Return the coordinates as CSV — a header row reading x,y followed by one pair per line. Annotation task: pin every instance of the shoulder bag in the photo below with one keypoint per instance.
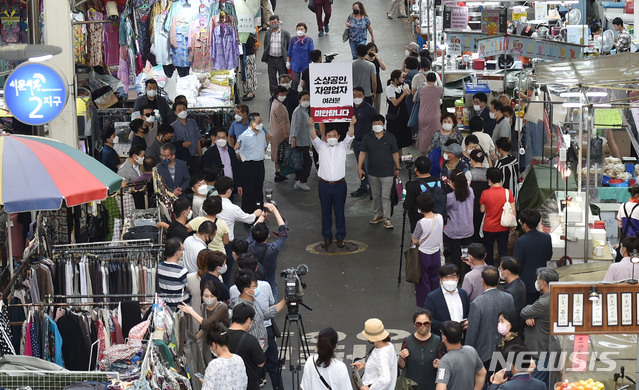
x,y
356,379
508,219
311,5
413,266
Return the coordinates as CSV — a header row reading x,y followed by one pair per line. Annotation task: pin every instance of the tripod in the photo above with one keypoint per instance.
x,y
409,166
293,319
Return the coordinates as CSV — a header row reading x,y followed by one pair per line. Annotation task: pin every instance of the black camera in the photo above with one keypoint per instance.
x,y
329,57
294,287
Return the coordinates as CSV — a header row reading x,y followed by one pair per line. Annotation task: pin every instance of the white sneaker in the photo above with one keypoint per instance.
x,y
296,186
303,186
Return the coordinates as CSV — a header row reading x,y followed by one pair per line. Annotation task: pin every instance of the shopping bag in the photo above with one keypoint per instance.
x,y
508,219
345,35
404,383
413,120
294,159
311,5
413,268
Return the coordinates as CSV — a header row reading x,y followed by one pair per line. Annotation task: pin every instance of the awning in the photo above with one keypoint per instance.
x,y
597,70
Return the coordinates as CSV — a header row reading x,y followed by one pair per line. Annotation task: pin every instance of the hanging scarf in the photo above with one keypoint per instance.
x,y
300,40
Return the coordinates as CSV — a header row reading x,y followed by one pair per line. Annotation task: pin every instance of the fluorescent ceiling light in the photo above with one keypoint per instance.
x,y
572,105
41,58
563,2
570,94
597,94
566,80
602,105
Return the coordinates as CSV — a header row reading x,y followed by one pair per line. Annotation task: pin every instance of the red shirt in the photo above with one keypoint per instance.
x,y
494,199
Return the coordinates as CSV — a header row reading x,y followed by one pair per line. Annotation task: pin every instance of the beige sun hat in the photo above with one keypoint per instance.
x,y
374,330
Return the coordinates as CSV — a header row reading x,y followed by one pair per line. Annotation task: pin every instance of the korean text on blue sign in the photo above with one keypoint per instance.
x,y
35,93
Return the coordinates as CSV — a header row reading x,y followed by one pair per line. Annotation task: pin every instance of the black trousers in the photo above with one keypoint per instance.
x,y
276,68
252,185
303,174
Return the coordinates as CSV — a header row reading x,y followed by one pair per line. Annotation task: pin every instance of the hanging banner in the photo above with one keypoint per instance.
x,y
245,23
331,92
543,48
455,17
465,41
493,46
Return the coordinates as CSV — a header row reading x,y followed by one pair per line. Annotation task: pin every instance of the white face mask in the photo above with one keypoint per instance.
x,y
447,126
286,85
305,104
407,52
189,215
491,115
476,107
203,189
537,286
238,118
378,128
449,285
150,119
223,269
220,142
445,156
259,127
139,160
182,114
358,101
213,352
332,141
501,274
300,33
151,93
209,302
281,98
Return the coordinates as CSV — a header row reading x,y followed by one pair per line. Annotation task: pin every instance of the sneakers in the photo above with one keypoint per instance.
x,y
402,17
326,28
360,192
376,219
320,34
301,186
279,177
262,382
388,15
388,224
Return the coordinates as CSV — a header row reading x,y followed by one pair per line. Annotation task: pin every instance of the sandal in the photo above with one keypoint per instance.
x,y
248,97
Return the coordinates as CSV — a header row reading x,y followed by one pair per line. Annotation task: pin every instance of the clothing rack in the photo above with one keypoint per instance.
x,y
40,379
113,296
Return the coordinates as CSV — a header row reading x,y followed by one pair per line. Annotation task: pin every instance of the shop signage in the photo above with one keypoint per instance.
x,y
245,23
455,17
331,92
493,46
543,48
466,41
35,93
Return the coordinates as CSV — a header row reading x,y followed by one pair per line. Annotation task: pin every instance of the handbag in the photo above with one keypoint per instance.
x,y
356,379
345,35
311,5
508,219
413,120
294,159
413,266
404,383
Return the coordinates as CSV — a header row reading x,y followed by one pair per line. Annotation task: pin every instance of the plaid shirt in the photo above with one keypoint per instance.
x,y
623,41
275,49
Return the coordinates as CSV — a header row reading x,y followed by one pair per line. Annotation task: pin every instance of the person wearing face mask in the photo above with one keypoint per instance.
x,y
216,266
381,366
448,131
397,116
188,133
364,75
183,213
251,146
222,155
508,327
130,168
139,131
280,128
300,139
509,273
381,149
109,157
212,206
419,351
291,99
200,189
332,185
165,135
240,124
171,276
429,114
373,56
364,113
537,320
447,302
451,152
502,124
227,371
246,345
486,144
246,283
458,232
276,42
480,101
476,261
173,171
195,243
153,99
299,52
150,124
358,25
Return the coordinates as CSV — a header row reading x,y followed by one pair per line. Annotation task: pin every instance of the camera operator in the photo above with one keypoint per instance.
x,y
246,283
266,252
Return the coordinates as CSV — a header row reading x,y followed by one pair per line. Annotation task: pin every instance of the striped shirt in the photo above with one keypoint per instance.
x,y
171,279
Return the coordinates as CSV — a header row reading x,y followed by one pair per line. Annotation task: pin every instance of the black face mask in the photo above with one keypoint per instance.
x,y
355,12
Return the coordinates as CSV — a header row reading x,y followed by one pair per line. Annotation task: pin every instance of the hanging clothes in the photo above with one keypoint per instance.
x,y
79,38
178,24
95,55
160,41
142,11
200,45
6,346
111,39
128,49
224,37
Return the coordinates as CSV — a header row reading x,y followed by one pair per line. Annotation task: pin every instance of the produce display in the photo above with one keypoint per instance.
x,y
589,384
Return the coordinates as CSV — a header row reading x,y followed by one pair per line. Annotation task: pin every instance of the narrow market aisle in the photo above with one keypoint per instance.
x,y
344,290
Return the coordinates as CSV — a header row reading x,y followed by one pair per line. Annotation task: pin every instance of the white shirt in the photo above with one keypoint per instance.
x,y
454,303
232,213
432,243
381,369
196,206
486,143
264,300
336,375
332,158
192,246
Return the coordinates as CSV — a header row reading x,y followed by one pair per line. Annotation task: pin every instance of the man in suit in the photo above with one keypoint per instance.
x,y
520,378
481,109
537,319
130,168
276,41
509,272
533,250
447,302
174,172
483,316
222,155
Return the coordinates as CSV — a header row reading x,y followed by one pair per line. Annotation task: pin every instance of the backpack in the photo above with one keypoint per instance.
x,y
436,190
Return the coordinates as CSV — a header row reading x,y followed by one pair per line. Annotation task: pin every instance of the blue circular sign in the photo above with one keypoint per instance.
x,y
35,93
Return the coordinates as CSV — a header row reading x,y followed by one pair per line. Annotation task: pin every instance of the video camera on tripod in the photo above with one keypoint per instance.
x,y
294,287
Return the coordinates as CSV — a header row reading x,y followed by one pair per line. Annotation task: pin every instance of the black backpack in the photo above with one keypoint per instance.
x,y
436,190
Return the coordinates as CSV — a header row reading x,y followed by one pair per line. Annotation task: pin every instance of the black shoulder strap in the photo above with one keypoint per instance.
x,y
320,375
365,356
629,218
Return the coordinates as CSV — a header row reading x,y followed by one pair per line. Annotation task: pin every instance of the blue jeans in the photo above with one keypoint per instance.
x,y
354,47
357,147
332,197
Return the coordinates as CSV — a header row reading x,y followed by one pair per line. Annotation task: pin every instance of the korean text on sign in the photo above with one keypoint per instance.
x,y
331,92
